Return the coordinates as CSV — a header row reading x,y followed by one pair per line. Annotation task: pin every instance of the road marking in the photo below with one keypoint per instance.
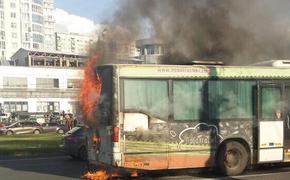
x,y
32,158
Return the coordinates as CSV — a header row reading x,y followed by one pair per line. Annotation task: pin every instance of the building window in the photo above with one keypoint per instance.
x,y
15,107
26,45
37,19
2,45
150,49
1,14
25,16
13,25
14,82
25,6
37,38
27,36
12,5
35,46
2,4
47,106
37,28
40,2
37,9
2,35
73,83
47,83
13,15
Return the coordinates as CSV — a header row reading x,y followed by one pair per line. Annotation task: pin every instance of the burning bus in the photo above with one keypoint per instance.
x,y
183,116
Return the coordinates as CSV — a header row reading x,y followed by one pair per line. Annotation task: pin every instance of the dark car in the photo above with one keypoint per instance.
x,y
74,143
54,127
25,127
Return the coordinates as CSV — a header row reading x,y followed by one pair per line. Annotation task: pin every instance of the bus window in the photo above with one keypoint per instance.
x,y
188,99
147,96
271,101
230,99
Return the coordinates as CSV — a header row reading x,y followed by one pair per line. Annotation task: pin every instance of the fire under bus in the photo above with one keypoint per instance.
x,y
154,117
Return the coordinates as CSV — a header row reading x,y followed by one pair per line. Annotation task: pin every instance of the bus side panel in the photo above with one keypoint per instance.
x,y
145,142
189,145
146,161
195,144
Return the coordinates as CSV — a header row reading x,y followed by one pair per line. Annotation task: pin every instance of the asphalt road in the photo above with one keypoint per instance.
x,y
63,168
44,168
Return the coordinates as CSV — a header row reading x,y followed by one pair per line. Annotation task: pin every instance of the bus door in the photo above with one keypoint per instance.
x,y
287,124
270,124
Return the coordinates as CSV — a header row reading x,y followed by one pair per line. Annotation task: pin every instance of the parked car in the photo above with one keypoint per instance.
x,y
54,127
25,127
74,143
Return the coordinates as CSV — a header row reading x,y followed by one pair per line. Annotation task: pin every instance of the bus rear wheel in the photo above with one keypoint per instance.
x,y
232,158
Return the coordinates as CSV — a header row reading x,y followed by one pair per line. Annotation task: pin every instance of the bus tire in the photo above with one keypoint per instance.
x,y
232,158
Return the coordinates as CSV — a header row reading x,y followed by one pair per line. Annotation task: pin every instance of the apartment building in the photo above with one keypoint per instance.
x,y
73,42
27,24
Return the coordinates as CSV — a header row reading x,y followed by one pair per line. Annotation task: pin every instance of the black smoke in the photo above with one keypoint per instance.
x,y
235,31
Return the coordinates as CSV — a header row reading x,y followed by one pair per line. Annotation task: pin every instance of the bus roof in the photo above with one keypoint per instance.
x,y
274,63
201,71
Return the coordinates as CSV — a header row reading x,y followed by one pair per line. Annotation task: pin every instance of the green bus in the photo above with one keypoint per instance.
x,y
154,117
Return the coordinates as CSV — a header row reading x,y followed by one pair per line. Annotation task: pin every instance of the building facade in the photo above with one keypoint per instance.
x,y
150,50
39,81
73,42
34,89
49,25
27,24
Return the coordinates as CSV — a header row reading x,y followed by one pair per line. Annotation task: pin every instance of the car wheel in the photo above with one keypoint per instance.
x,y
232,158
82,154
9,133
60,131
36,131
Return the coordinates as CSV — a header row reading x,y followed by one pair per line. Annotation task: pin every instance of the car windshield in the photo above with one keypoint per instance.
x,y
13,124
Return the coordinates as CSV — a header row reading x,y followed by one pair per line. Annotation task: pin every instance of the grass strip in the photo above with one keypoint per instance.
x,y
32,144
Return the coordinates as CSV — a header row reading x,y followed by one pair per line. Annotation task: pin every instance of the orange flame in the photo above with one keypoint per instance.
x,y
98,175
116,175
134,173
104,175
91,88
95,138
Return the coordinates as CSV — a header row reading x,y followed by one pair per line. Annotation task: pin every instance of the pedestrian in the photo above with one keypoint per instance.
x,y
68,121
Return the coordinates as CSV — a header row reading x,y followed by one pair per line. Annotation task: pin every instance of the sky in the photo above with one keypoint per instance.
x,y
82,16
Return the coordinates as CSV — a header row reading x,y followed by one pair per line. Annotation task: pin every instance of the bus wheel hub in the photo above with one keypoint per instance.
x,y
231,158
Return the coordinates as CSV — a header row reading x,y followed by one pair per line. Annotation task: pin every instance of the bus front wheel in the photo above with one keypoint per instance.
x,y
232,158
